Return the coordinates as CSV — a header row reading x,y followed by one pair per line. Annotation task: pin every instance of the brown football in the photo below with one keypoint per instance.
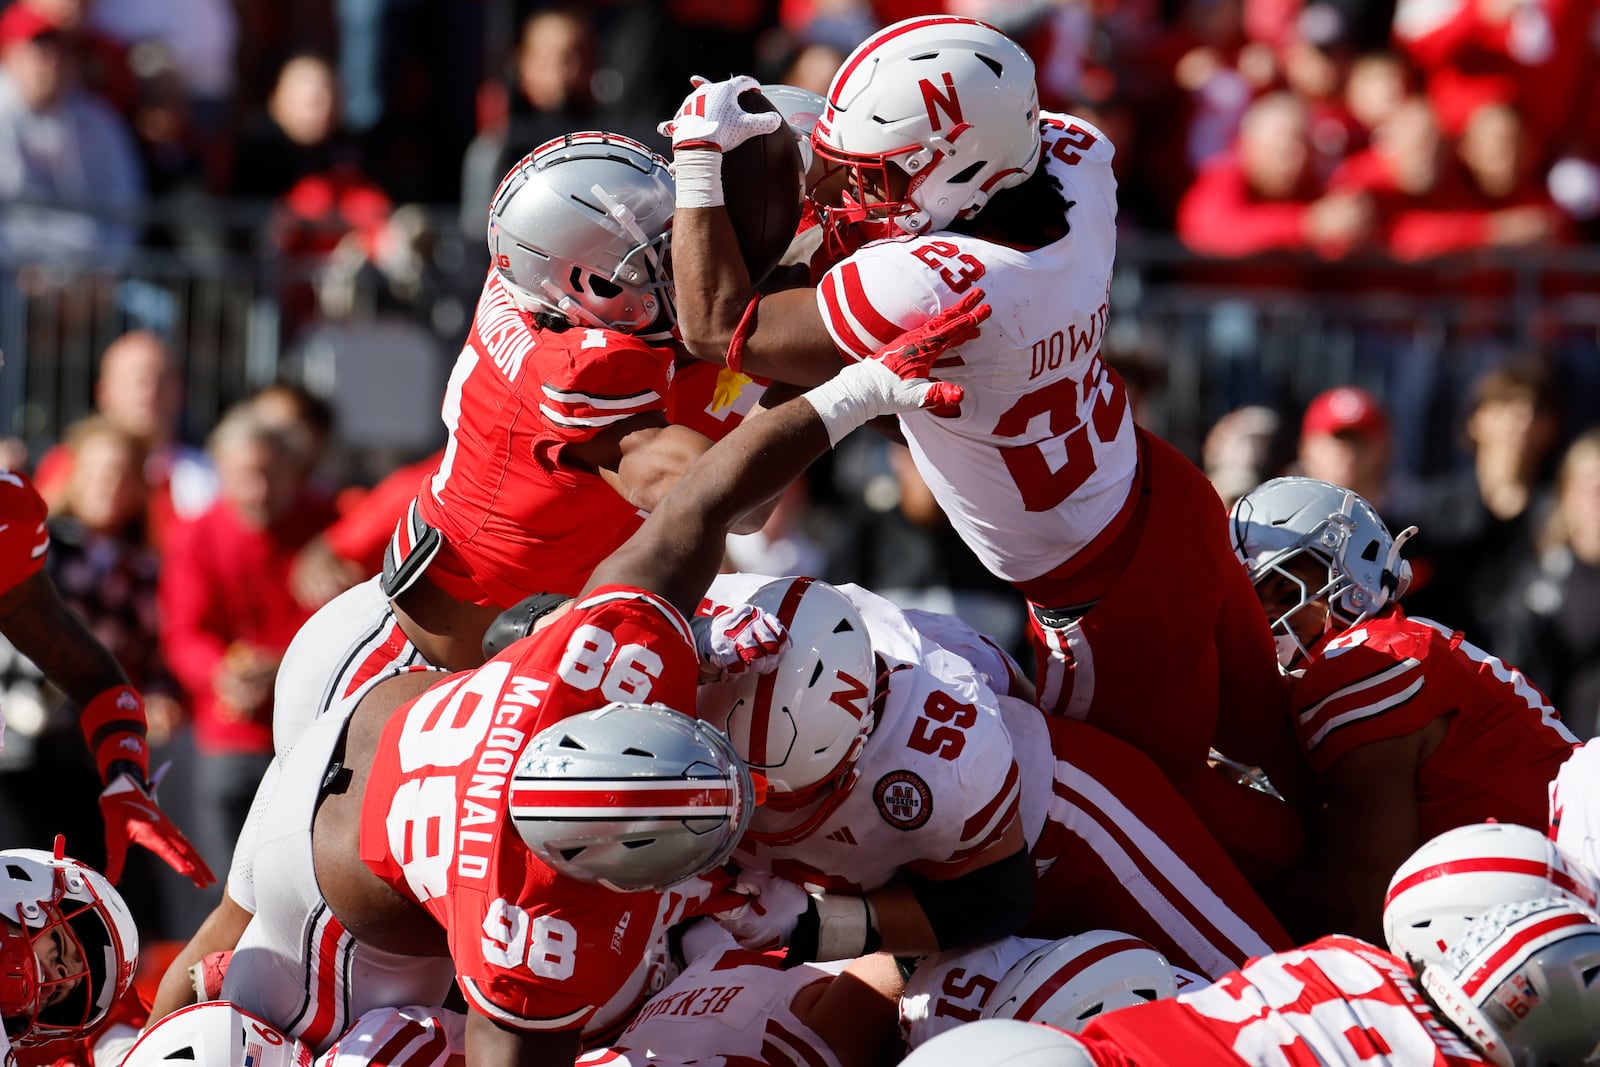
x,y
761,184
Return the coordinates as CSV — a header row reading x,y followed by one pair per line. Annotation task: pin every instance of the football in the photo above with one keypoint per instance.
x,y
763,189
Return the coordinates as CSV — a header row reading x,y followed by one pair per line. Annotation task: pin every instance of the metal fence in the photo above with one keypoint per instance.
x,y
1195,337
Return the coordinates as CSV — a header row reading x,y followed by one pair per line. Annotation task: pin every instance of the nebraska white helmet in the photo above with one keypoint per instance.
x,y
216,1034
1463,873
803,724
1068,982
579,229
633,796
1285,518
1523,984
950,102
67,920
1000,1043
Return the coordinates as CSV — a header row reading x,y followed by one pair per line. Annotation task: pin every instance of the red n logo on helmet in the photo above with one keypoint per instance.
x,y
852,698
936,101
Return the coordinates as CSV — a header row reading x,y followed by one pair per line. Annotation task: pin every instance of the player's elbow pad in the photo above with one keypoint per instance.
x,y
983,905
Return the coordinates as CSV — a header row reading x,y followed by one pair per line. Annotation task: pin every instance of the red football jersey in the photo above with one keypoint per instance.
x,y
1337,1000
712,399
1392,675
517,521
24,541
532,948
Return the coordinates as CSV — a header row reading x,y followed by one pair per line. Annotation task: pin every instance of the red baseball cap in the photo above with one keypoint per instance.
x,y
20,22
1345,409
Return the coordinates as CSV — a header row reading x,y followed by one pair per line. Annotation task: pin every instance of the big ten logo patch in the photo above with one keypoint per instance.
x,y
904,800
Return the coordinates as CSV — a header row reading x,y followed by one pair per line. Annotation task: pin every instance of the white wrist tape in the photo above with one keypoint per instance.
x,y
697,174
842,926
856,395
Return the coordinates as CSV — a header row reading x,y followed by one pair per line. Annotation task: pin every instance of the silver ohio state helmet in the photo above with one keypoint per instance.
x,y
215,1034
950,102
1464,872
800,109
633,796
1523,984
580,228
803,724
1282,519
1000,1043
66,916
1068,982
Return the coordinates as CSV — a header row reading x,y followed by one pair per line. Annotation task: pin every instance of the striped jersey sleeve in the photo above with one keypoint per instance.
x,y
1361,694
599,378
874,296
24,539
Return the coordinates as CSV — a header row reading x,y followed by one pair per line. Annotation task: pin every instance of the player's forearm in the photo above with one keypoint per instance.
x,y
901,923
219,933
679,548
52,635
712,287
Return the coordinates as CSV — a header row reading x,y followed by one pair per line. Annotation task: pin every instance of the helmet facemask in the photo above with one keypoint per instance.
x,y
69,939
1284,521
951,103
1317,581
580,230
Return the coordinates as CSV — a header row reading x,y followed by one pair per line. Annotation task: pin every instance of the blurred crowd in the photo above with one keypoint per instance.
x,y
1332,126
1413,128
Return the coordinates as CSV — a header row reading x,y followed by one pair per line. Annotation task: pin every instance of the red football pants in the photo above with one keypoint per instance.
x,y
1121,850
1177,658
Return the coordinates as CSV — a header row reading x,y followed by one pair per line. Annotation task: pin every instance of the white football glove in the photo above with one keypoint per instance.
x,y
712,118
741,639
768,918
896,379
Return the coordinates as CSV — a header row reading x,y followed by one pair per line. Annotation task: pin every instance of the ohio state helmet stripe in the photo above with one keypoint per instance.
x,y
884,38
1037,1000
613,799
1492,865
1518,946
761,708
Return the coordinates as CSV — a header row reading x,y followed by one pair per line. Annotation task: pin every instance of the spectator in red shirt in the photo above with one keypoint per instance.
x,y
1432,200
140,390
352,548
227,615
1535,55
1265,196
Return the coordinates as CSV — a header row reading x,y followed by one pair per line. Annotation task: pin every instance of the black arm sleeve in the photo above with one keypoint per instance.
x,y
982,905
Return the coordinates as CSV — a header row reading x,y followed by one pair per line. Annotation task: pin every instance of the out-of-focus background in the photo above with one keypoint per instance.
x,y
241,240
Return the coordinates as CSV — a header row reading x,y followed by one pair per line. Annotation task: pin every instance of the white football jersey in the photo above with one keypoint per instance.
x,y
730,1001
1042,454
1575,806
936,783
951,988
